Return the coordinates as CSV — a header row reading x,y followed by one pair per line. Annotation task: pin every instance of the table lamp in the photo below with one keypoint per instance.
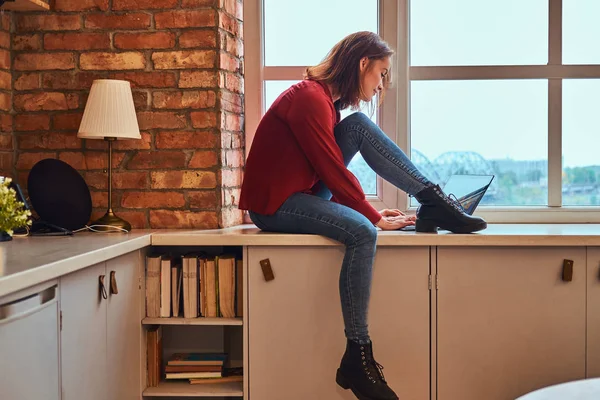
x,y
110,115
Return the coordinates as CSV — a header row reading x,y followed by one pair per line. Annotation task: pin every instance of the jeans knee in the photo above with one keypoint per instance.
x,y
358,118
365,234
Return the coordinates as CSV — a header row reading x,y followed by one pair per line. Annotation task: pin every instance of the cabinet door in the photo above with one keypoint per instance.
x,y
506,321
296,332
29,347
124,326
593,312
83,336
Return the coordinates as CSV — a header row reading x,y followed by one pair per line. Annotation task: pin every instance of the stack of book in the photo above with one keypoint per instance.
x,y
194,286
198,368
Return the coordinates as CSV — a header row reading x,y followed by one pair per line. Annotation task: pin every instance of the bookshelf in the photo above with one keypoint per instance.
x,y
193,321
184,389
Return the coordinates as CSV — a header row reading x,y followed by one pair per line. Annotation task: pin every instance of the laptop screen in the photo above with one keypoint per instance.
x,y
468,189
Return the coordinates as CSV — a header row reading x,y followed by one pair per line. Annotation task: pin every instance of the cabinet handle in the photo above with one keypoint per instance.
x,y
113,283
567,273
102,287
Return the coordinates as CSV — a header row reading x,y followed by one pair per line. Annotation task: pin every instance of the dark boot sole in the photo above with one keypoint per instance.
x,y
341,380
428,226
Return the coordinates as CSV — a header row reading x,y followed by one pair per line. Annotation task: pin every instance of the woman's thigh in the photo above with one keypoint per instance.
x,y
305,213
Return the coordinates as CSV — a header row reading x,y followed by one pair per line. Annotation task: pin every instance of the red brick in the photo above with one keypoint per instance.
x,y
231,216
152,40
69,121
137,219
99,199
32,122
112,61
157,160
5,101
160,219
165,120
197,3
28,160
36,62
231,102
46,101
232,158
149,79
153,200
186,140
121,180
231,44
198,38
190,99
184,59
69,80
76,41
140,100
228,23
197,79
203,159
6,123
91,160
27,42
204,119
233,122
230,196
27,22
231,177
5,80
29,81
80,5
6,18
48,141
185,19
231,82
183,179
145,143
73,101
205,199
126,21
5,40
4,59
6,162
143,4
6,142
228,62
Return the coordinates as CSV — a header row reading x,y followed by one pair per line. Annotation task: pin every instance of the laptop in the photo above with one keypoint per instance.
x,y
468,191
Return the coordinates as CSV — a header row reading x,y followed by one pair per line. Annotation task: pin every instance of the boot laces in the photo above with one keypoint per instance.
x,y
370,364
450,199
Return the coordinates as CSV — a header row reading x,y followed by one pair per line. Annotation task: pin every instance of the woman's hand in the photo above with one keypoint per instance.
x,y
394,219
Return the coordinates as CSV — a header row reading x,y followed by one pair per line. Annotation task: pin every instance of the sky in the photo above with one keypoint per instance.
x,y
497,118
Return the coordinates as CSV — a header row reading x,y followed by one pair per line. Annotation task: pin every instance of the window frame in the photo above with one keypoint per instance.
x,y
394,114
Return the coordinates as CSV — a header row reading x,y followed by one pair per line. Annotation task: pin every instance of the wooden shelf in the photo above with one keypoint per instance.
x,y
192,321
26,5
185,389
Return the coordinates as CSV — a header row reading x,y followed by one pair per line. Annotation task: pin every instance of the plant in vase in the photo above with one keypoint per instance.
x,y
12,212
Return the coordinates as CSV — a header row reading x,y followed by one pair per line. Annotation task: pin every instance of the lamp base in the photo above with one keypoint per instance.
x,y
109,222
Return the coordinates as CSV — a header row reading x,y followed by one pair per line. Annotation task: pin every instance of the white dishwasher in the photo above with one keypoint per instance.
x,y
29,361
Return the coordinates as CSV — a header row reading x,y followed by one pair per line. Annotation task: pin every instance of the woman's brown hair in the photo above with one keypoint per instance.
x,y
340,68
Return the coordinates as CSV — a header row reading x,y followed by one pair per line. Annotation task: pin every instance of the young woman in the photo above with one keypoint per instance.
x,y
297,181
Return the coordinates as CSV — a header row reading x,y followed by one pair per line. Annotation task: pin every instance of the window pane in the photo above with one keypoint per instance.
x,y
475,32
301,33
483,127
365,175
581,32
581,127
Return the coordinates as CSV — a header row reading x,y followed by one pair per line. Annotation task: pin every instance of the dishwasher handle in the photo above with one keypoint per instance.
x,y
28,305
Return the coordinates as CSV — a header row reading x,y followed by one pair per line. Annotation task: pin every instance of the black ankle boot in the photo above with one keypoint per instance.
x,y
439,210
360,373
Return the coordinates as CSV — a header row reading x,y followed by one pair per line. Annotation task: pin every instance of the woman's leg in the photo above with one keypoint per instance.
x,y
304,213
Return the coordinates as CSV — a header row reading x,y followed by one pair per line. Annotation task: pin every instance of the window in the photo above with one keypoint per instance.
x,y
506,87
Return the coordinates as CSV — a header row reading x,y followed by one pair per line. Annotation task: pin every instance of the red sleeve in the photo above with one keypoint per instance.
x,y
310,117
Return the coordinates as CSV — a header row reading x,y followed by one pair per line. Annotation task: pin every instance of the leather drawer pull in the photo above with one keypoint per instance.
x,y
113,283
567,273
267,270
102,287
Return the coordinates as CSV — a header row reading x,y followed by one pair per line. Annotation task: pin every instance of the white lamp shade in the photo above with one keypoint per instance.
x,y
109,112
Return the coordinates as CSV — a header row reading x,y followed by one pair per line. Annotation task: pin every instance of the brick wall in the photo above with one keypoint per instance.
x,y
184,61
6,137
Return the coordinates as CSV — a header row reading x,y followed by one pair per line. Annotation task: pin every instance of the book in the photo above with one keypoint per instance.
x,y
165,287
198,359
192,375
154,354
153,286
226,283
217,380
211,288
190,286
194,368
176,283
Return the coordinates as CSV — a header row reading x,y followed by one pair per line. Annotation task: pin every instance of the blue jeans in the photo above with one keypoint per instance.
x,y
315,214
